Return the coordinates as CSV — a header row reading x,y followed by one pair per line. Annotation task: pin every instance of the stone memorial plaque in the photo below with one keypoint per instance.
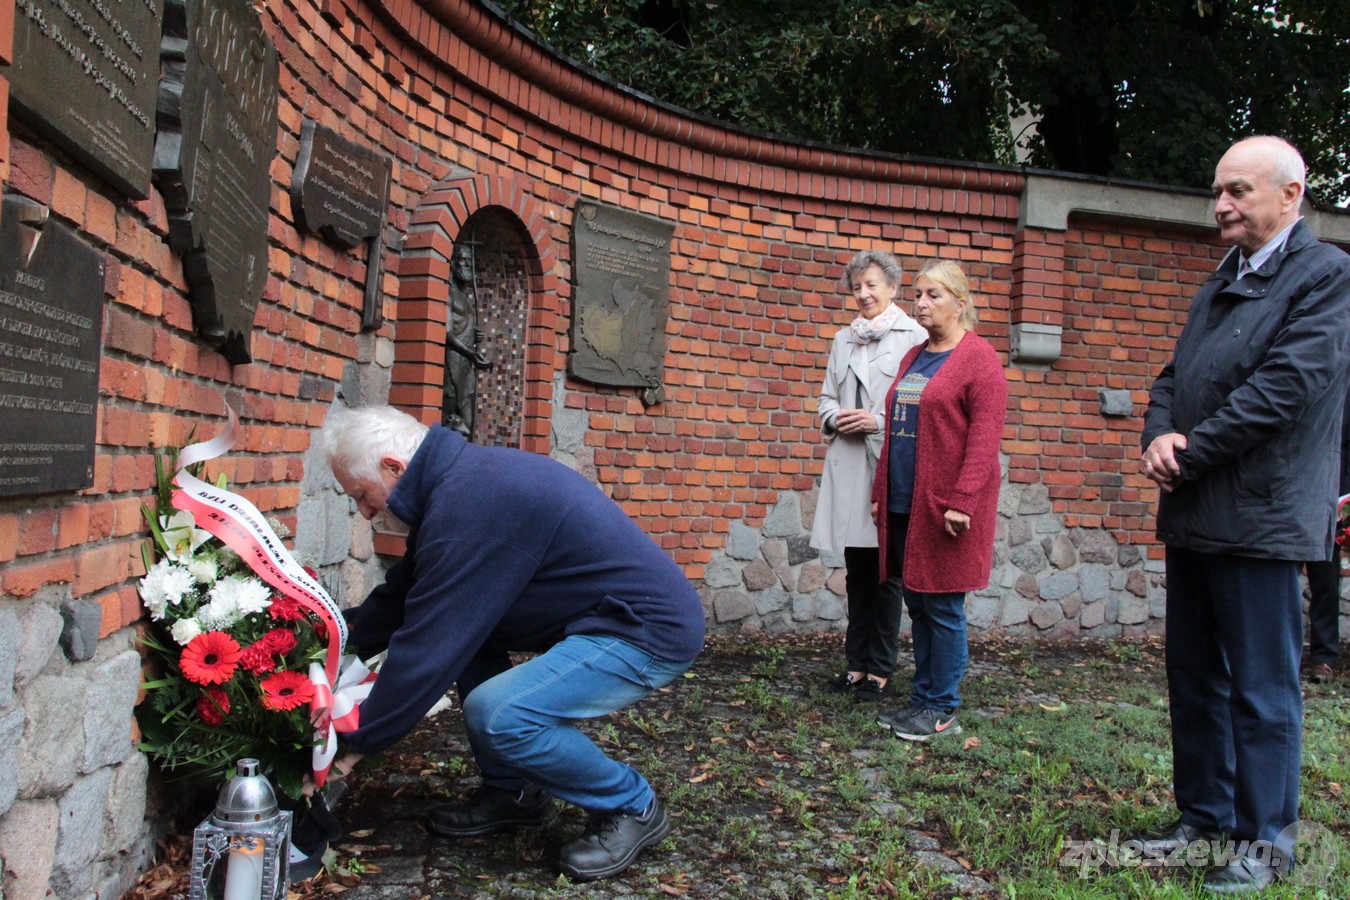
x,y
621,261
51,337
217,136
339,189
85,75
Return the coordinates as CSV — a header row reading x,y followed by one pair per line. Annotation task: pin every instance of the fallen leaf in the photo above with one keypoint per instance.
x,y
1060,708
700,778
971,743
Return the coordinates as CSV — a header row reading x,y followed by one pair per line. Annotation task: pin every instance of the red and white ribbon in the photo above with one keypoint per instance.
x,y
241,527
337,709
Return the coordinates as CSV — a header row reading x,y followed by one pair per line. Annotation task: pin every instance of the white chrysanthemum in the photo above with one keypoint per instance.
x,y
182,537
232,598
184,630
221,612
164,584
204,569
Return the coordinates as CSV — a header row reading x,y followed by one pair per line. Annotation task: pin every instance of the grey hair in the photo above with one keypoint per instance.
x,y
950,276
889,266
353,441
1286,162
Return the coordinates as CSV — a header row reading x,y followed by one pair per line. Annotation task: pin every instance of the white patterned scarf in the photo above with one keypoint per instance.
x,y
866,331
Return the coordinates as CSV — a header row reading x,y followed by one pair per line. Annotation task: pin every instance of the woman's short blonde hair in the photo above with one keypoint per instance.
x,y
952,278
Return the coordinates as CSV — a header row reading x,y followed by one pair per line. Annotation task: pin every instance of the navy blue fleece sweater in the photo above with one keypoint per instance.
x,y
508,551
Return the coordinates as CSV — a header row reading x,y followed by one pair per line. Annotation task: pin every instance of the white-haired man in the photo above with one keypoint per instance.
x,y
1242,435
509,551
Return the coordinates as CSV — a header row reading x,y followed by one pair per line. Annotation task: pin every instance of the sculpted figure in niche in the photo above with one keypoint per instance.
x,y
462,356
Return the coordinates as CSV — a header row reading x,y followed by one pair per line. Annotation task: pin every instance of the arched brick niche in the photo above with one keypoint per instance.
x,y
517,295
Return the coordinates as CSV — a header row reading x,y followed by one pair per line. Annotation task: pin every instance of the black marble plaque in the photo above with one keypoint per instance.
x,y
51,334
621,261
339,189
217,118
85,75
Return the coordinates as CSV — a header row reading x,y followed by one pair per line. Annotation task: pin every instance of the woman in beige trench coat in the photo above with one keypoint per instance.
x,y
864,359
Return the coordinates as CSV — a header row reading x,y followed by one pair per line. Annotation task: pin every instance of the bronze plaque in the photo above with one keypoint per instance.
x,y
213,154
51,334
339,189
621,260
85,75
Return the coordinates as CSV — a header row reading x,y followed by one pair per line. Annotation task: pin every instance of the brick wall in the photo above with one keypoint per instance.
x,y
722,474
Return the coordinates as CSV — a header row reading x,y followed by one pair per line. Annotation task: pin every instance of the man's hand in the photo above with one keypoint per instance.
x,y
954,522
1160,462
342,767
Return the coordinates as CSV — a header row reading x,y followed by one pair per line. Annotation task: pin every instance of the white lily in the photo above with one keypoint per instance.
x,y
182,537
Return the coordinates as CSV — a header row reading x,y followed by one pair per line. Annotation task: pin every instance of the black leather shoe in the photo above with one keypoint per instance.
x,y
1175,837
611,842
1241,876
490,810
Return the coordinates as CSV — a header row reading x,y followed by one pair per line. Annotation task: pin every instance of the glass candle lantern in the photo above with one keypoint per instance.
x,y
242,850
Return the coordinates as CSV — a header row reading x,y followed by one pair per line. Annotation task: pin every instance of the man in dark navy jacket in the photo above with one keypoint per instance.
x,y
1242,436
509,551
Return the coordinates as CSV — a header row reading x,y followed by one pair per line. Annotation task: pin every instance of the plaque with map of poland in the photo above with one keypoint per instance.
x,y
217,136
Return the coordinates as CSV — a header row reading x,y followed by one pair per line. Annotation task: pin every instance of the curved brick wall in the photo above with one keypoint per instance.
x,y
477,119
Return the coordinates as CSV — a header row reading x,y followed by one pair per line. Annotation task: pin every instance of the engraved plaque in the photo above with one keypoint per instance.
x,y
622,264
217,117
85,75
51,332
339,189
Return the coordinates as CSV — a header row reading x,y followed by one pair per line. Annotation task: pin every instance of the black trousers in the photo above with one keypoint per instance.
x,y
1324,610
872,640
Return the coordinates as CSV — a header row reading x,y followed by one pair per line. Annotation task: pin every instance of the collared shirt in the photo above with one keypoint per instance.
x,y
1258,259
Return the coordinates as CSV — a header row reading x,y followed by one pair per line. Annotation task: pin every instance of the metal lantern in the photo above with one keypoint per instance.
x,y
242,850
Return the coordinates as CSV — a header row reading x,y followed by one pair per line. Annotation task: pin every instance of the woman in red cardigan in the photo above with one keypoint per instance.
x,y
935,496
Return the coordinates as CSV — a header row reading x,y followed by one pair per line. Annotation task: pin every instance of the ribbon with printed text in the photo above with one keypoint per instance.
x,y
341,683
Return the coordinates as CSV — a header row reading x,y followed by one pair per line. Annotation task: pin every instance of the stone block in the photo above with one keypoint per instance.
x,y
1137,583
11,732
1028,586
1035,500
28,844
787,577
1043,615
1019,532
775,551
81,621
812,578
1093,614
1094,582
1072,605
53,738
771,601
1015,611
111,700
1048,525
722,574
803,608
1132,611
41,626
125,815
982,610
1059,551
1029,557
732,606
81,830
1115,403
838,582
785,519
800,550
11,635
743,542
829,607
1058,585
569,428
831,560
758,576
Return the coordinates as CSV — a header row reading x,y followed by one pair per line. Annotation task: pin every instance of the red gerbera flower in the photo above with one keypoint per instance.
x,y
257,658
212,708
286,690
279,640
210,658
285,609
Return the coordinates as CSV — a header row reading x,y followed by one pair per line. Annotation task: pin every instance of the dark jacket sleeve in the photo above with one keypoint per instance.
x,y
371,624
1292,376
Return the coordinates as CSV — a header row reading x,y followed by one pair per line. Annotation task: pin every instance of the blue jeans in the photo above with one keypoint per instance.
x,y
938,627
520,721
